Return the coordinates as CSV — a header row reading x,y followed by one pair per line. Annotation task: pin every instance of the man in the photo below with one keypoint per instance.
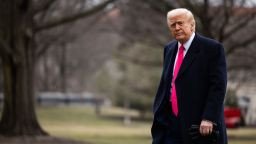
x,y
192,86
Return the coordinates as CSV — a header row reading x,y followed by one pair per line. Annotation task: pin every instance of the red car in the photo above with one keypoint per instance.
x,y
233,117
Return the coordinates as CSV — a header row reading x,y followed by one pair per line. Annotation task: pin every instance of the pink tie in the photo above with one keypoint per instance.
x,y
173,88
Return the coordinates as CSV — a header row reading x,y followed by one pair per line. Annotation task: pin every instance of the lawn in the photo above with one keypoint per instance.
x,y
81,123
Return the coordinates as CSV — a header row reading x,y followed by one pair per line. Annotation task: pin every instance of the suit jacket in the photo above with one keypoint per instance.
x,y
200,86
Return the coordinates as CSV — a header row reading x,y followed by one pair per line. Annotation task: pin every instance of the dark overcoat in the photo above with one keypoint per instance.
x,y
200,85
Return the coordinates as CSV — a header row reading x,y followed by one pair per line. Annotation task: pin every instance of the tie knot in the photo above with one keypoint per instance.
x,y
182,47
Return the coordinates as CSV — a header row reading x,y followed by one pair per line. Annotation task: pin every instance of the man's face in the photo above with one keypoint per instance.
x,y
181,27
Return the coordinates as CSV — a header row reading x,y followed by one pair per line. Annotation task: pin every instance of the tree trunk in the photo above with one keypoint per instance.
x,y
63,68
46,73
18,117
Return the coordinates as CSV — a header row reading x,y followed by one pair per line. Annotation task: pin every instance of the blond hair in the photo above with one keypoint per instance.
x,y
184,11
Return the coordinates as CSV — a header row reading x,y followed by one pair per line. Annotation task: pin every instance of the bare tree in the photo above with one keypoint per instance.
x,y
144,33
21,21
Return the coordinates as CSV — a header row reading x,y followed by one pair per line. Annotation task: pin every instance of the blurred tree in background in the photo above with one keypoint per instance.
x,y
231,98
23,23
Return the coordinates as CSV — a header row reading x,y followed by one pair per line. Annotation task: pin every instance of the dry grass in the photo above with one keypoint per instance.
x,y
82,124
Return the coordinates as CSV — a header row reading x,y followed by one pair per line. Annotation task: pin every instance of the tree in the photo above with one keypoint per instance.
x,y
21,22
136,55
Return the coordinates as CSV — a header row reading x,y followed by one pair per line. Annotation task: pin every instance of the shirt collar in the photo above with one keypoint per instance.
x,y
188,43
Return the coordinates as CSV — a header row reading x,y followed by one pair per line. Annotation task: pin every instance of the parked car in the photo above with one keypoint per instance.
x,y
233,117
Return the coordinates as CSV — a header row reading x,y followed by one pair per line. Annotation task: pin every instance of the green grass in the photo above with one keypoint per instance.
x,y
81,123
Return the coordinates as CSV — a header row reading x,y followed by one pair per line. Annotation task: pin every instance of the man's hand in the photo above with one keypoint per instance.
x,y
206,127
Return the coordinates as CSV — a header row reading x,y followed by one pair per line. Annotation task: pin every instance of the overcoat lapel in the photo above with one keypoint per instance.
x,y
170,60
190,56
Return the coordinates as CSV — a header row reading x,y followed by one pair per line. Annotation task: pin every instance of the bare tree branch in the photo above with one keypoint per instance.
x,y
46,47
239,26
242,3
206,7
68,19
240,45
227,14
189,5
161,6
205,18
145,63
42,5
